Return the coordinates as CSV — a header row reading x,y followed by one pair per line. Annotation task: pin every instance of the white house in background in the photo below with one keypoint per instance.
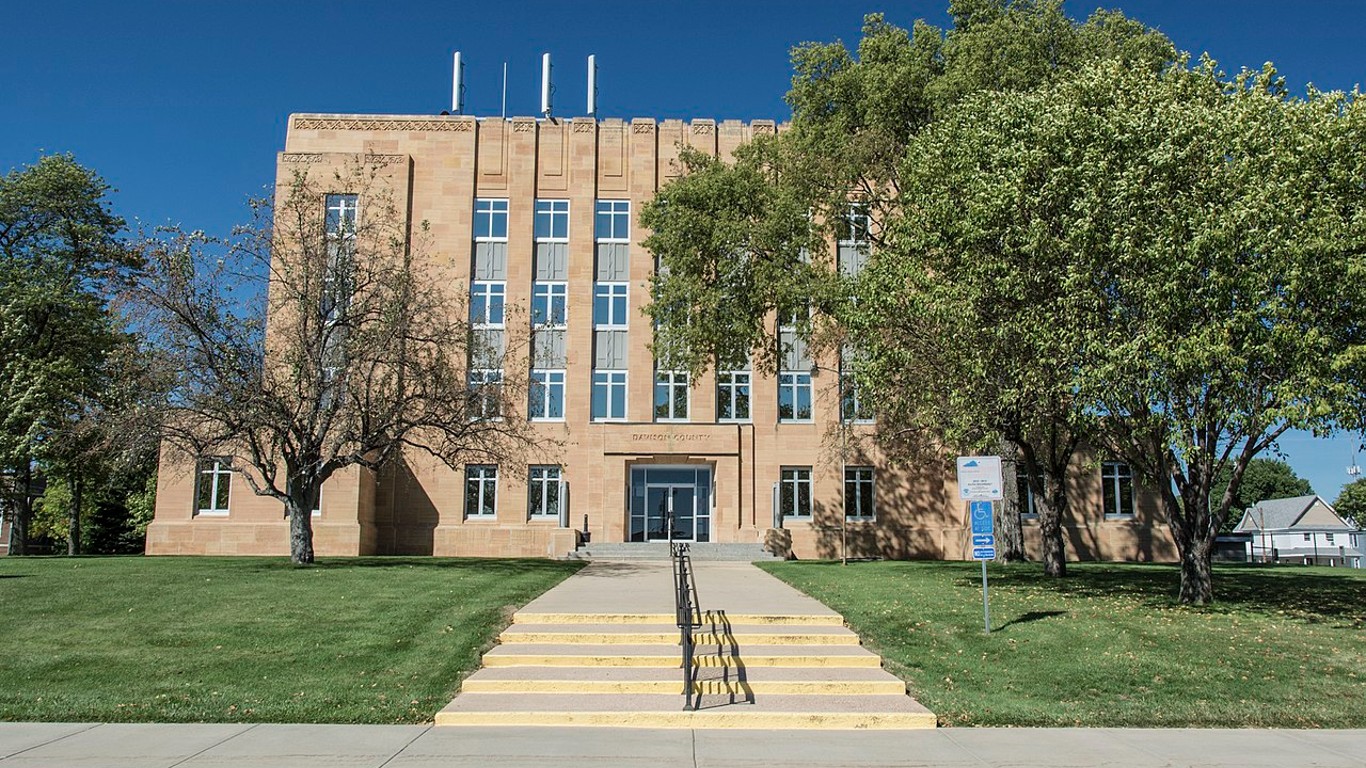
x,y
1303,529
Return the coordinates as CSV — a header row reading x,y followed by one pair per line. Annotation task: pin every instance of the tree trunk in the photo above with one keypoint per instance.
x,y
23,511
1197,582
1009,532
73,521
1051,514
299,506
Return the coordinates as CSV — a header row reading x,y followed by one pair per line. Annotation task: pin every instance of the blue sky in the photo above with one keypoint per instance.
x,y
182,106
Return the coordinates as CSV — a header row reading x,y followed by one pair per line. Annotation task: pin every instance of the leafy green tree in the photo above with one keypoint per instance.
x,y
1351,503
1232,280
1263,479
733,239
364,357
61,260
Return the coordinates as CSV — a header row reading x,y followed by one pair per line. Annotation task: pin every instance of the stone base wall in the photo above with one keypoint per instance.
x,y
223,537
503,541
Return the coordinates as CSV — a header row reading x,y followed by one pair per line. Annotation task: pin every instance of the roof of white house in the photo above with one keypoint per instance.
x,y
1296,512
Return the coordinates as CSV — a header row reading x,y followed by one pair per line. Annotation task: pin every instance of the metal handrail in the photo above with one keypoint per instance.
x,y
688,616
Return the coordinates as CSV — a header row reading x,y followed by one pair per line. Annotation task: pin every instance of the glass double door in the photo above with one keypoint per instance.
x,y
670,504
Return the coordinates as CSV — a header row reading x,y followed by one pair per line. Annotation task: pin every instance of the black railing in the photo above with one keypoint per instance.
x,y
689,616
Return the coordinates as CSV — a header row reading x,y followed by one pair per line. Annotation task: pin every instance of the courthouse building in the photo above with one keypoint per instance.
x,y
543,215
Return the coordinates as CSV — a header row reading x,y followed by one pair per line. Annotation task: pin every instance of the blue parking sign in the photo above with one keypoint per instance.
x,y
979,516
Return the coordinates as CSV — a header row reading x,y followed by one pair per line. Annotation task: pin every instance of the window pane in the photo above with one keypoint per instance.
x,y
223,482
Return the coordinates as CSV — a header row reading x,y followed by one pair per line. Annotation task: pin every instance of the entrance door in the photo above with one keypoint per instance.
x,y
669,512
670,504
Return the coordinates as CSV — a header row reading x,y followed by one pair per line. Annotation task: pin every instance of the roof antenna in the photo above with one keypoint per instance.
x,y
505,90
458,86
592,85
545,85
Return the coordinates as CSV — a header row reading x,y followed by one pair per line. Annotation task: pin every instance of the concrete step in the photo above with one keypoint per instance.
x,y
707,618
742,636
668,655
744,680
660,710
660,550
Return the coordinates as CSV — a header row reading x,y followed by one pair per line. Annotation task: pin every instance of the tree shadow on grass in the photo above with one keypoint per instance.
x,y
483,565
1031,616
1308,595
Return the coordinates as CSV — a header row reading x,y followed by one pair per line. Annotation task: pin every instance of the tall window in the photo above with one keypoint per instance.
x,y
794,493
486,393
609,395
215,483
340,227
732,396
481,490
609,305
552,220
1117,481
671,396
613,221
548,304
1025,492
856,225
858,493
543,492
794,397
853,409
490,219
547,395
486,304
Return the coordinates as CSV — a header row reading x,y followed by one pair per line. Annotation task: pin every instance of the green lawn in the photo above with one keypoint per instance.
x,y
370,640
1108,645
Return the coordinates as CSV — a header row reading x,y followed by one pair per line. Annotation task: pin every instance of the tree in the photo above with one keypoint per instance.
x,y
61,260
733,239
1231,276
1263,479
312,341
1351,503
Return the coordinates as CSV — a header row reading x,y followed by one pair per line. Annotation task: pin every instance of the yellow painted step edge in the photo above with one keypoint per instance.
x,y
800,620
645,638
861,661
700,719
771,687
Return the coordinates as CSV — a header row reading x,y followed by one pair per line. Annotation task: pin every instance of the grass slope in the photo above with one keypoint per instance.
x,y
368,640
1108,645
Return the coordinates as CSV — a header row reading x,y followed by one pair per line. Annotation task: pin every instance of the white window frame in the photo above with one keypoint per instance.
x,y
849,392
1113,474
862,475
551,293
491,209
727,391
797,478
674,383
1029,509
483,293
615,209
790,380
486,477
219,473
611,385
556,215
617,295
539,479
543,382
857,220
481,380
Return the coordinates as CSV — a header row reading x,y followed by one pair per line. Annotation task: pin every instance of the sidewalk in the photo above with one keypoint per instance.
x,y
411,746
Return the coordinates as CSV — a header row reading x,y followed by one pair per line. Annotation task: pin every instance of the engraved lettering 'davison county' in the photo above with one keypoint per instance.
x,y
664,437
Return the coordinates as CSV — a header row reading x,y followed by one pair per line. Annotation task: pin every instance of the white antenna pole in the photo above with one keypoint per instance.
x,y
592,85
545,85
457,86
505,90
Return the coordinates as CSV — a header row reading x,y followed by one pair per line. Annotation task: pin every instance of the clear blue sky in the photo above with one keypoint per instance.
x,y
182,105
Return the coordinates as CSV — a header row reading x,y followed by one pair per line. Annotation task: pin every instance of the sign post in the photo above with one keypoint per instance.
x,y
979,484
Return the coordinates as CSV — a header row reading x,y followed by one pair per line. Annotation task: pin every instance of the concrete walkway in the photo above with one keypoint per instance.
x,y
51,745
